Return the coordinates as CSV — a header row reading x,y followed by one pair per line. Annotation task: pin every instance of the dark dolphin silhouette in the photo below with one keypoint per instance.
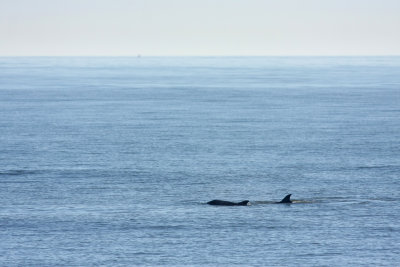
x,y
227,203
286,199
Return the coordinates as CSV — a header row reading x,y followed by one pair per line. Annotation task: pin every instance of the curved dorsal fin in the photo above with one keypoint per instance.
x,y
243,203
286,199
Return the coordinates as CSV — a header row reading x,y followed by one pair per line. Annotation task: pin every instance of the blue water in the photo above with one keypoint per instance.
x,y
110,161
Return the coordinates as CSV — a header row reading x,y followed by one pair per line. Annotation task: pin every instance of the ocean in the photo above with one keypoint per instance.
x,y
110,161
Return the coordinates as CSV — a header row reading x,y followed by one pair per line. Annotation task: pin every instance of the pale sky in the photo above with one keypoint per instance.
x,y
199,27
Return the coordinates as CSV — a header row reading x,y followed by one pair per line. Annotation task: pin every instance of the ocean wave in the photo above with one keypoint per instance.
x,y
18,172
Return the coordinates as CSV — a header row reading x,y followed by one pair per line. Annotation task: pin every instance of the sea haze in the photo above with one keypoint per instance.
x,y
110,161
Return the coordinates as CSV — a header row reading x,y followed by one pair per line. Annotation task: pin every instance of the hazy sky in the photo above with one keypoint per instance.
x,y
199,27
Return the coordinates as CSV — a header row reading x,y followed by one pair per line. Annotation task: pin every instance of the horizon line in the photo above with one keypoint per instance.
x,y
143,55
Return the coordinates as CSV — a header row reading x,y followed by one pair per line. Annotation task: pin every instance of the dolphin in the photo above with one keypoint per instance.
x,y
286,199
228,203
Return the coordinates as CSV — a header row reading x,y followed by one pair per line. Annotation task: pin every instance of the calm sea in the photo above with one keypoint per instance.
x,y
110,161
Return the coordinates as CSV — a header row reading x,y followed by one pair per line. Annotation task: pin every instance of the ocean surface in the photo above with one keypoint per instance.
x,y
110,161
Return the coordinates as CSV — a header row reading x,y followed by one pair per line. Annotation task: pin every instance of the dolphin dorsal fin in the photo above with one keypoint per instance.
x,y
286,199
244,203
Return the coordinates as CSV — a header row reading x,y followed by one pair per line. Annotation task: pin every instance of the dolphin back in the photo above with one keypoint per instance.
x,y
227,203
220,202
